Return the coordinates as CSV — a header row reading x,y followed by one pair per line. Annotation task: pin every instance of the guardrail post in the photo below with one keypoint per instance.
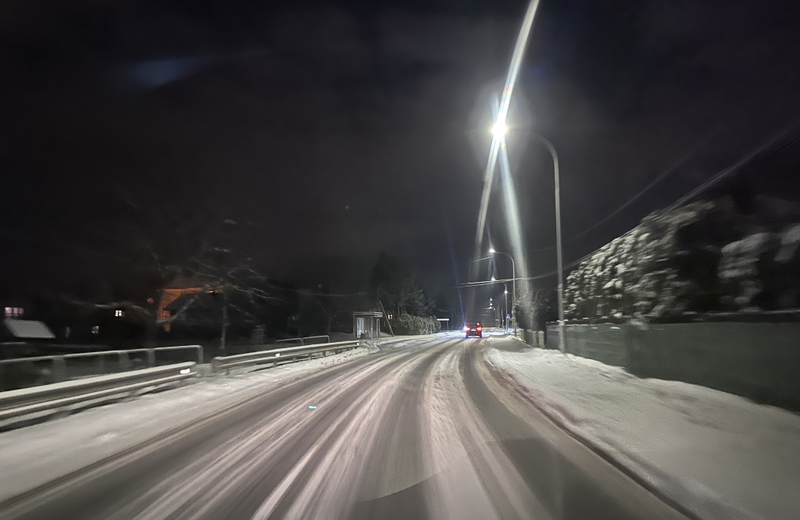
x,y
100,364
59,369
124,360
151,357
199,354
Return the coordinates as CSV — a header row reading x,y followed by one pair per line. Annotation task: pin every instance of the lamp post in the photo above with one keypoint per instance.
x,y
505,316
505,304
493,251
557,184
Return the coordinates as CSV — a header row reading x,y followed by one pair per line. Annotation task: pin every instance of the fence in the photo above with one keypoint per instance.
x,y
280,355
56,396
760,361
307,340
39,370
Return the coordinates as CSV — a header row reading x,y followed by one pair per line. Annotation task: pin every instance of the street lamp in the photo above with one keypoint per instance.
x,y
493,251
505,316
505,304
557,184
499,129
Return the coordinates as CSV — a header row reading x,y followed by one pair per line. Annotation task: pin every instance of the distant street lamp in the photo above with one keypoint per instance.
x,y
505,304
505,316
493,251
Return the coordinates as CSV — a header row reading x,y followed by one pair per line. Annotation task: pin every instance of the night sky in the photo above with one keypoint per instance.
x,y
336,130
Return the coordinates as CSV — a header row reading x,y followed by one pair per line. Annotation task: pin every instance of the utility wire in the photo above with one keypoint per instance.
x,y
703,188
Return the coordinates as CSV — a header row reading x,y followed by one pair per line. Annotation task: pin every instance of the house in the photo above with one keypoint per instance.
x,y
180,288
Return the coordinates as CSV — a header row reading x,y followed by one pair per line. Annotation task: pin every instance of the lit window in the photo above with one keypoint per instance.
x,y
14,312
96,329
119,313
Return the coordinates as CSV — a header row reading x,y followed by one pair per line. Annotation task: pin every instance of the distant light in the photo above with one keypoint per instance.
x,y
278,354
312,407
185,371
494,279
492,250
499,129
505,292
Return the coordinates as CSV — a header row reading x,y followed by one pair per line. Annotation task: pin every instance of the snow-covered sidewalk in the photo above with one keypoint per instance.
x,y
37,454
718,454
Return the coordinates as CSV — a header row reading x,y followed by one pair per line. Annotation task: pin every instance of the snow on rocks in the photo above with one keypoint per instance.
x,y
705,256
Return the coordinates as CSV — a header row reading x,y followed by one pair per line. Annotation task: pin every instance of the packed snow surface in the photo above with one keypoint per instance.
x,y
36,454
720,455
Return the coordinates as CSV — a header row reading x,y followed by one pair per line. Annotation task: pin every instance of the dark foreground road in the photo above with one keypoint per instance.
x,y
421,432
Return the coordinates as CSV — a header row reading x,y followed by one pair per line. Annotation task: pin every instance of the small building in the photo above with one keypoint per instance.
x,y
26,330
177,291
367,325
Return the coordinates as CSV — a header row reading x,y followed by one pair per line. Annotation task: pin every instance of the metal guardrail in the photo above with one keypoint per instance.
x,y
60,372
305,339
280,355
18,403
311,340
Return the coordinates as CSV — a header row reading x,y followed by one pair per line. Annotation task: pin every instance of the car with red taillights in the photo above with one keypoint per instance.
x,y
473,329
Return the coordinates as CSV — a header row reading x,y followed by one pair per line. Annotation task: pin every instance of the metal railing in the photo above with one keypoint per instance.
x,y
59,367
26,401
280,355
306,339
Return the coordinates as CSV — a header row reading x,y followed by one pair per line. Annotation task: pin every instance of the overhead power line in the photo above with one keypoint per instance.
x,y
766,150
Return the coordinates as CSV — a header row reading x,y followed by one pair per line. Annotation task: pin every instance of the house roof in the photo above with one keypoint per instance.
x,y
201,300
28,329
187,282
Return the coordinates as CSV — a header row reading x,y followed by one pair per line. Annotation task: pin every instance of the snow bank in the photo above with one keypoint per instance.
x,y
720,455
37,454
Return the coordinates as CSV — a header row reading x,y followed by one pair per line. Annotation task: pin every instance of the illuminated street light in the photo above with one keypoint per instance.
x,y
499,129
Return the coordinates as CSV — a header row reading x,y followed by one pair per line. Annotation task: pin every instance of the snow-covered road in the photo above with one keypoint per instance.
x,y
424,430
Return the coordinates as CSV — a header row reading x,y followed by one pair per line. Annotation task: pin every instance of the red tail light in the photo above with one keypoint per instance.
x,y
479,327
